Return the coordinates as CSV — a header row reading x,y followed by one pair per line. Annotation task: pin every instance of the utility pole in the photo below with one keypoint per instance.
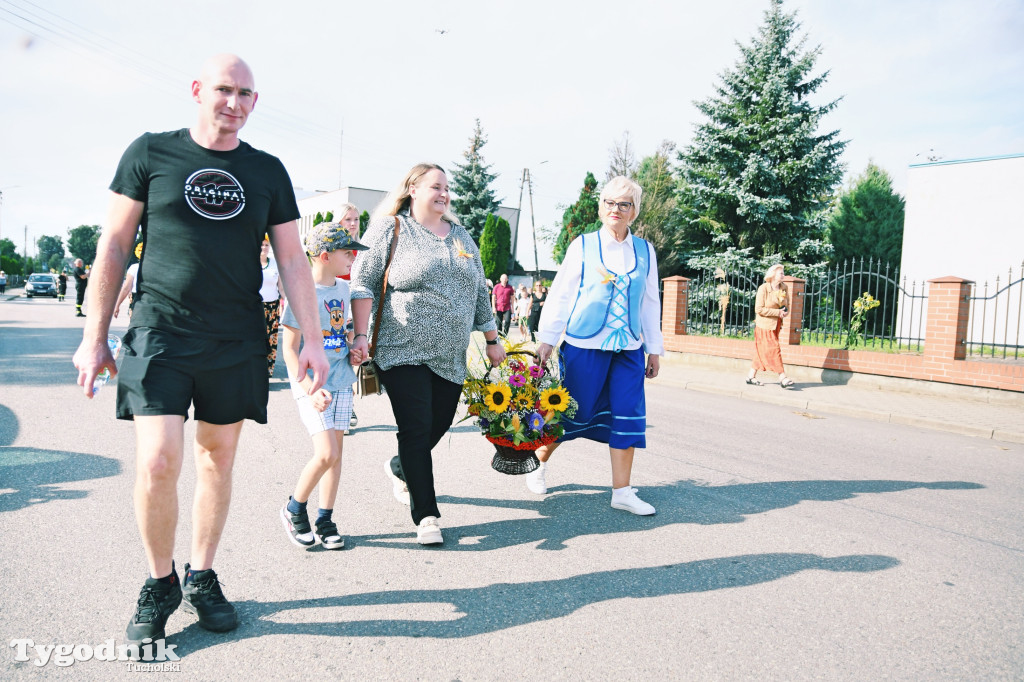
x,y
519,217
533,227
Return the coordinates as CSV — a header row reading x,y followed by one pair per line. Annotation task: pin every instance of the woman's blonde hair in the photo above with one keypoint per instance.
x,y
339,215
769,274
620,186
400,198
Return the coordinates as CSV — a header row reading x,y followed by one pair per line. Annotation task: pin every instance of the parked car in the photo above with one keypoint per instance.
x,y
41,284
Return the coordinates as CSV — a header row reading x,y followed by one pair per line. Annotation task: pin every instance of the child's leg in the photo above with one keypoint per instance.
x,y
326,454
329,481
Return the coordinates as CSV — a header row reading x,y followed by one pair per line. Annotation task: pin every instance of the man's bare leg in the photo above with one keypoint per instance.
x,y
215,456
159,452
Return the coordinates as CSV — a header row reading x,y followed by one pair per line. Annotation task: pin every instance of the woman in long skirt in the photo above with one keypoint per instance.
x,y
770,308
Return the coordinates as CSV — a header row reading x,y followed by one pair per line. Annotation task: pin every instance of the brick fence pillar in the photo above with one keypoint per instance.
x,y
948,310
789,335
673,311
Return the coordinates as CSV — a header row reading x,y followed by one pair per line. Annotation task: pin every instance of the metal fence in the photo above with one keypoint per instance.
x,y
721,303
995,320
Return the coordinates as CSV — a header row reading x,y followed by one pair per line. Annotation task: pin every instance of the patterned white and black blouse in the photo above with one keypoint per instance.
x,y
436,296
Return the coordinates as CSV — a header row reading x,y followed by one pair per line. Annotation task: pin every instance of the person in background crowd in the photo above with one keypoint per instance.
x,y
130,286
3,282
62,285
81,282
350,221
605,299
436,296
770,310
537,298
270,292
502,304
523,310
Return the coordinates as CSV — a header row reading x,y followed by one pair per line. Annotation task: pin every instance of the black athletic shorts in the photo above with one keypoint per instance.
x,y
162,374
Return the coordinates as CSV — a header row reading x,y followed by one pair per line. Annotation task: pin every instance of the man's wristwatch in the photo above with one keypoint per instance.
x,y
492,342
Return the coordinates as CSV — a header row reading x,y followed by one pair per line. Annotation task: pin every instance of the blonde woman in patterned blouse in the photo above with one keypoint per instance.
x,y
436,296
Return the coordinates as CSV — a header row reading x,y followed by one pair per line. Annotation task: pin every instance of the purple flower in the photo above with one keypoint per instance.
x,y
517,380
484,423
536,371
535,422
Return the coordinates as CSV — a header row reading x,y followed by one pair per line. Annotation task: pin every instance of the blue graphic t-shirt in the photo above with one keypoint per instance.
x,y
333,302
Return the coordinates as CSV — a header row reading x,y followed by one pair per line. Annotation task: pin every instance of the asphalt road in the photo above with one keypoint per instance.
x,y
787,545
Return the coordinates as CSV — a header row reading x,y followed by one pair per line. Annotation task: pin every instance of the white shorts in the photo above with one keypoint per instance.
x,y
336,416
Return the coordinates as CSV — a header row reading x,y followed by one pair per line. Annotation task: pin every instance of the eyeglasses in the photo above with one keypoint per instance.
x,y
621,205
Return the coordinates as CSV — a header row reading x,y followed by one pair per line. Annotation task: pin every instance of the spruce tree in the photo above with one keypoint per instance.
x,y
579,218
471,182
758,174
868,219
495,247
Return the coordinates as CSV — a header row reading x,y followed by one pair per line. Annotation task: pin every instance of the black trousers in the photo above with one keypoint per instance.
x,y
79,296
424,405
534,323
503,318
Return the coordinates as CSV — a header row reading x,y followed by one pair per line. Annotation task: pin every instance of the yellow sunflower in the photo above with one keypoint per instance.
x,y
498,397
523,401
556,399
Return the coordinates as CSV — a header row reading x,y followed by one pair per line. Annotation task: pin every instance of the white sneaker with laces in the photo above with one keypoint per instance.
x,y
429,532
536,481
626,499
398,487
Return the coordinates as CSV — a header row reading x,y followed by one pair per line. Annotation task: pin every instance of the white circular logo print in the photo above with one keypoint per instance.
x,y
214,194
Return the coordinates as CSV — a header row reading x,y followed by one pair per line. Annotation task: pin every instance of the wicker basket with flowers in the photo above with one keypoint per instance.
x,y
518,406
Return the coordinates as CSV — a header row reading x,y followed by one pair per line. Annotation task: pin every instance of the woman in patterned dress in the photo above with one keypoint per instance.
x,y
436,296
271,294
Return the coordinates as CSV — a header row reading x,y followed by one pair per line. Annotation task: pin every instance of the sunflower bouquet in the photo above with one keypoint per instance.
x,y
518,406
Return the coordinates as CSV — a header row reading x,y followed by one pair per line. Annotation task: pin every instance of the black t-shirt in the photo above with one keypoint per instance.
x,y
81,281
205,216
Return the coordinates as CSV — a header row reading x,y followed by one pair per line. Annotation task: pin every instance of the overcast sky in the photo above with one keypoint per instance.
x,y
356,93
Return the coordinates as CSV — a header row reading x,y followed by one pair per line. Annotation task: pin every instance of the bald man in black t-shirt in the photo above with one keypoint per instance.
x,y
204,200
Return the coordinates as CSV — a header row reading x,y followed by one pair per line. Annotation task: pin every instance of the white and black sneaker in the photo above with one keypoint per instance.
x,y
297,527
327,531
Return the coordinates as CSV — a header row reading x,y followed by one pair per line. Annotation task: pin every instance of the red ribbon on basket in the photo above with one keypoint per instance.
x,y
525,445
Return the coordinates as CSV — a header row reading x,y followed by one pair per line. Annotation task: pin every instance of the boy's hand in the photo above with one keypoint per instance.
x,y
321,399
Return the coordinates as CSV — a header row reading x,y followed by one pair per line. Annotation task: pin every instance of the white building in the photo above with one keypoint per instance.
x,y
964,218
367,200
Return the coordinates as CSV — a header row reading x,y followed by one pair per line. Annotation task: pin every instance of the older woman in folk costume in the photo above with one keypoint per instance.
x,y
605,300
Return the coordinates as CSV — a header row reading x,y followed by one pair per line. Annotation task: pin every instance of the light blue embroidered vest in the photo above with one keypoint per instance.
x,y
607,299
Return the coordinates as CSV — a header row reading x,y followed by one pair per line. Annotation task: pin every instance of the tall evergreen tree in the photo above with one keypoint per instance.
x,y
579,218
657,209
868,219
758,174
495,247
471,185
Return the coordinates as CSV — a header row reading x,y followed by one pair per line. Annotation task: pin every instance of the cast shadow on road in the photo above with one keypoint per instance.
x,y
30,476
38,357
466,612
577,510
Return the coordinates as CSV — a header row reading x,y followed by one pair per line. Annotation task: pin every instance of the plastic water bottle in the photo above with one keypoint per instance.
x,y
114,344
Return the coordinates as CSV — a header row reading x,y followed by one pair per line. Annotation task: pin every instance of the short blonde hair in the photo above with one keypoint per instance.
x,y
769,274
400,198
339,215
621,186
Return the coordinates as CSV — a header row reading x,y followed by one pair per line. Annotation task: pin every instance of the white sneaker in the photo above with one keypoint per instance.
x,y
429,532
626,499
536,481
398,486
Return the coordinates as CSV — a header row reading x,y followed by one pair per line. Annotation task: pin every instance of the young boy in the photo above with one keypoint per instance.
x,y
326,413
